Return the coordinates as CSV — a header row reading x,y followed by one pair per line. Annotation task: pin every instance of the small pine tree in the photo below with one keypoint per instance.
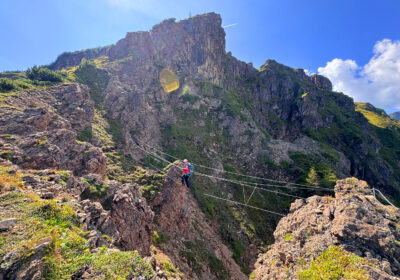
x,y
329,179
312,178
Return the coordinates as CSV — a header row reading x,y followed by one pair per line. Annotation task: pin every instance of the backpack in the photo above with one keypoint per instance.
x,y
191,169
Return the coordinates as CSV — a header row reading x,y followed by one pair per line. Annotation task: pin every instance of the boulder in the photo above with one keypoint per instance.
x,y
6,224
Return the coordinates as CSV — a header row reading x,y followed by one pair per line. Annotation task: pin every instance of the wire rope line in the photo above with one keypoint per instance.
x,y
379,192
247,202
161,171
222,179
235,202
287,187
246,185
243,175
246,205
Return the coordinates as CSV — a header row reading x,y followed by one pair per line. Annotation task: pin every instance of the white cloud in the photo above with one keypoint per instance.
x,y
308,72
377,82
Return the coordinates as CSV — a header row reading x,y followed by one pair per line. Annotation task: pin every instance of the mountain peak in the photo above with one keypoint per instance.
x,y
395,116
170,38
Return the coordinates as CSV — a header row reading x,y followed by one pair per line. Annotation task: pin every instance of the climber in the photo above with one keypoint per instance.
x,y
187,171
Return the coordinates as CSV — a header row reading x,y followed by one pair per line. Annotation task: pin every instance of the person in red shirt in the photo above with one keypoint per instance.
x,y
187,171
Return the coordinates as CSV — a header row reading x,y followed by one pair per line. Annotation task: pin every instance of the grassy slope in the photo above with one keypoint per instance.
x,y
375,116
69,243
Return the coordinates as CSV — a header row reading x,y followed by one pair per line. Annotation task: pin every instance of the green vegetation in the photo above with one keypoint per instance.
x,y
159,239
85,135
263,160
65,174
8,137
94,190
312,177
7,85
151,183
187,98
9,180
95,78
314,171
41,141
115,129
375,116
335,263
349,134
119,164
234,104
197,253
43,74
169,268
33,78
68,250
288,236
6,155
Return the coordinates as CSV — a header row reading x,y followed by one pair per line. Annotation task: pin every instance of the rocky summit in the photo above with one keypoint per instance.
x,y
91,150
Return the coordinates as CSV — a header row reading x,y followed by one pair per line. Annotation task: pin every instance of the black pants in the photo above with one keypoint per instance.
x,y
185,179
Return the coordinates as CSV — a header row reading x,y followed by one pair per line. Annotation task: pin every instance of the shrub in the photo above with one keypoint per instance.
x,y
43,74
6,85
312,178
85,135
159,239
94,190
115,264
96,79
170,268
335,263
64,174
6,155
9,180
288,236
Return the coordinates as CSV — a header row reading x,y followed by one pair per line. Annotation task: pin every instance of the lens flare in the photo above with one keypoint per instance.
x,y
168,80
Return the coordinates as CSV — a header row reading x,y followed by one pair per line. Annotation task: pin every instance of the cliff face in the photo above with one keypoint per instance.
x,y
353,221
69,59
40,129
194,244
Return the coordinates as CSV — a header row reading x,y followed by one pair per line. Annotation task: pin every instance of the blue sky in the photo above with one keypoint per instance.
x,y
302,34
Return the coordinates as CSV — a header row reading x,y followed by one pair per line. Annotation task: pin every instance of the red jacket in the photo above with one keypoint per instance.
x,y
186,168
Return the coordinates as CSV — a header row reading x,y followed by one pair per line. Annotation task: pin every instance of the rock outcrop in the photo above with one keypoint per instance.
x,y
179,217
127,217
40,129
353,220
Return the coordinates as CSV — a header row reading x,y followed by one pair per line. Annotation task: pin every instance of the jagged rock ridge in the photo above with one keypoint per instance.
x,y
353,220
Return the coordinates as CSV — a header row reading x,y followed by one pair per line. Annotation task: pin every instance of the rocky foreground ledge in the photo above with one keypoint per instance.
x,y
349,236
